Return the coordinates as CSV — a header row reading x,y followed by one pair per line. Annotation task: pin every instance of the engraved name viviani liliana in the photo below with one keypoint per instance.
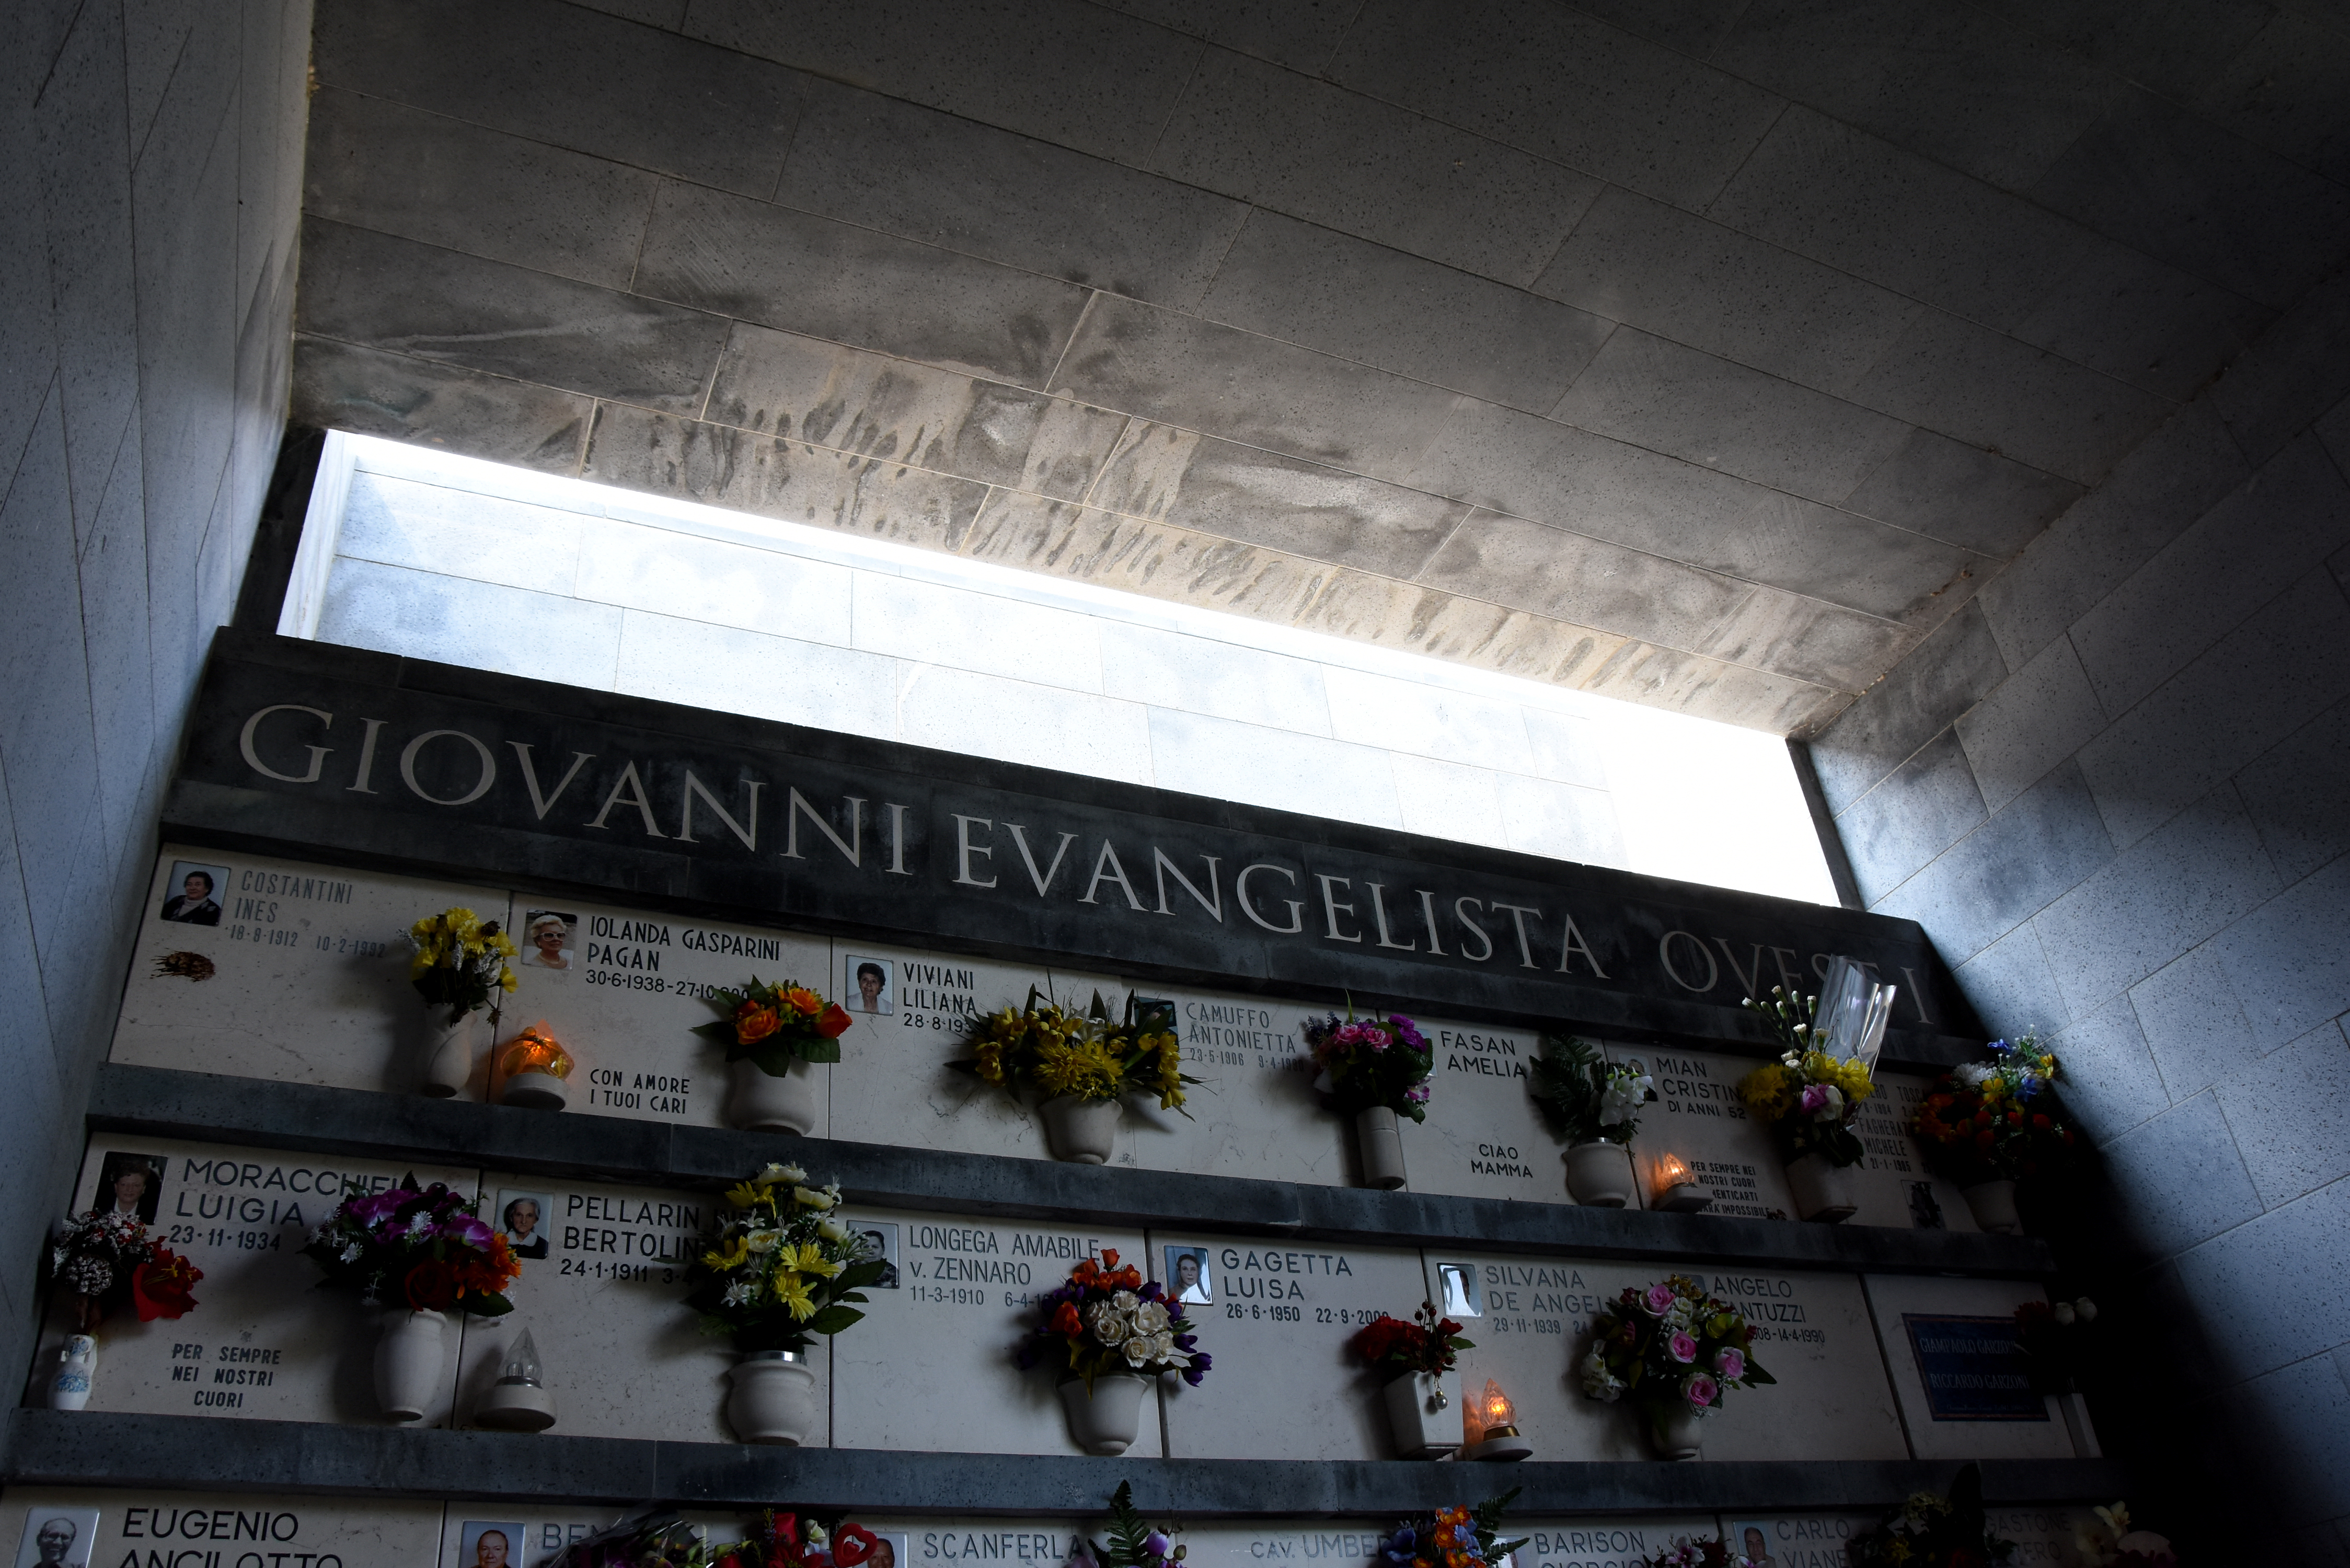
x,y
961,843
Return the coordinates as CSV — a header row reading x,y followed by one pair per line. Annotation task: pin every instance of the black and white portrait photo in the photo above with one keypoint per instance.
x,y
490,1543
546,941
881,1241
191,896
1187,1279
130,1184
522,1218
868,985
1462,1298
57,1538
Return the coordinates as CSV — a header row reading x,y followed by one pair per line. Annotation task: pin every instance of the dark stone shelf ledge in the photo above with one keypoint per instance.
x,y
162,1102
47,1447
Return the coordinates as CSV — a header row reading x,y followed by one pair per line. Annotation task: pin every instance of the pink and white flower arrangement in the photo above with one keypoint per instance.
x,y
1382,1060
1673,1343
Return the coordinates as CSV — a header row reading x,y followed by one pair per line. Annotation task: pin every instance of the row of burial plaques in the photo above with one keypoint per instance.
x,y
88,1528
300,974
931,1368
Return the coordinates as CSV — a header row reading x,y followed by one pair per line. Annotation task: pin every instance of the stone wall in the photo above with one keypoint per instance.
x,y
150,172
2113,792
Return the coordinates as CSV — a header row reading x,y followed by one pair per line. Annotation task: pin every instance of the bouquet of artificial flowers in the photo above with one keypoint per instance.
x,y
660,1539
1929,1531
1584,1098
1133,1543
1105,1319
775,1025
1425,1343
1087,1055
1382,1060
2114,1543
107,1258
1986,1121
428,1243
1673,1343
1809,1096
460,960
1451,1537
785,1266
1686,1551
797,1541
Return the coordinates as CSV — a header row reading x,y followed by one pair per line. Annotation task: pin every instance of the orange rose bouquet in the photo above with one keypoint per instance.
x,y
775,1025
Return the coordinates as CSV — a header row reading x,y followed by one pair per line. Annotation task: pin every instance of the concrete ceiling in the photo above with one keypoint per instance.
x,y
1708,353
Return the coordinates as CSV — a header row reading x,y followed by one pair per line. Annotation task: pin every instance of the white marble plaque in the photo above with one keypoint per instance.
x,y
523,1532
1521,1315
993,1542
1253,1112
1896,1188
1483,1137
1276,1319
931,1368
1699,1116
892,1084
2043,1537
623,990
1289,1543
1603,1542
602,1295
1795,1540
1898,1296
305,971
262,1340
90,1528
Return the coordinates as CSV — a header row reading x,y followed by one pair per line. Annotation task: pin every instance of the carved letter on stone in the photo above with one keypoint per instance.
x,y
1331,906
363,785
1043,879
1380,915
1518,913
319,754
1665,951
1248,908
694,786
1108,870
1575,944
965,849
1165,868
850,848
1460,912
543,803
481,785
629,782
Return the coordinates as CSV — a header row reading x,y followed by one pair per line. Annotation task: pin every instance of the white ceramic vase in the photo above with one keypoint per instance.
x,y
1599,1174
759,1101
1676,1429
1381,1145
408,1362
1993,1203
1823,1192
76,1370
1084,1131
1424,1409
774,1398
1107,1419
448,1053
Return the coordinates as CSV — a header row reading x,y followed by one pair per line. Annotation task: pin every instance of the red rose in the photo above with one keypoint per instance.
x,y
431,1286
161,1286
2039,1120
1985,1138
852,1544
835,1022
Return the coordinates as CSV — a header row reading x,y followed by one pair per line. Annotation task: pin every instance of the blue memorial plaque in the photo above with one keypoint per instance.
x,y
1973,1368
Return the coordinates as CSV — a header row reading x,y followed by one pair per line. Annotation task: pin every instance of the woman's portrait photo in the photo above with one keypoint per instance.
x,y
191,896
546,939
1187,1279
494,1543
521,1216
1461,1295
130,1184
864,985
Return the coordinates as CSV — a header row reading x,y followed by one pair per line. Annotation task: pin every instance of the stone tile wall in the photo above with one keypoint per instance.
x,y
150,164
2116,791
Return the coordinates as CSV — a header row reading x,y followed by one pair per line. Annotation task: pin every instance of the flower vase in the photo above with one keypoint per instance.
x,y
1823,1192
448,1052
77,1367
408,1361
1599,1174
1084,1131
1106,1419
1993,1203
761,1101
774,1398
1673,1427
1424,1410
1381,1145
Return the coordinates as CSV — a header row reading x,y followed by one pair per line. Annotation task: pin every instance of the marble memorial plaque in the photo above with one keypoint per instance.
x,y
1295,1543
602,1295
75,1527
1483,1137
623,990
1521,1315
291,972
1253,1112
2045,1537
1601,1542
892,1084
262,1341
1697,1115
1984,1397
523,1532
1795,1540
1277,1318
932,1366
993,1542
1896,1188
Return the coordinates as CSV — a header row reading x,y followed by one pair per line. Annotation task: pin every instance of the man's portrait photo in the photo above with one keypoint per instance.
x,y
889,1550
546,940
1752,1542
1461,1295
493,1544
193,894
522,1218
1187,1279
866,985
881,1241
130,1184
57,1538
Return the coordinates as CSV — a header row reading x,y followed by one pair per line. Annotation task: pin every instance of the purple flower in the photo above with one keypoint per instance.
x,y
467,1228
1700,1390
1730,1363
1416,1095
1682,1348
1157,1543
1184,1341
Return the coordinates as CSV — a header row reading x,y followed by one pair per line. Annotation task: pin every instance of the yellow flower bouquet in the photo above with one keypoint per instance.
x,y
1808,1096
1085,1056
784,1266
460,962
